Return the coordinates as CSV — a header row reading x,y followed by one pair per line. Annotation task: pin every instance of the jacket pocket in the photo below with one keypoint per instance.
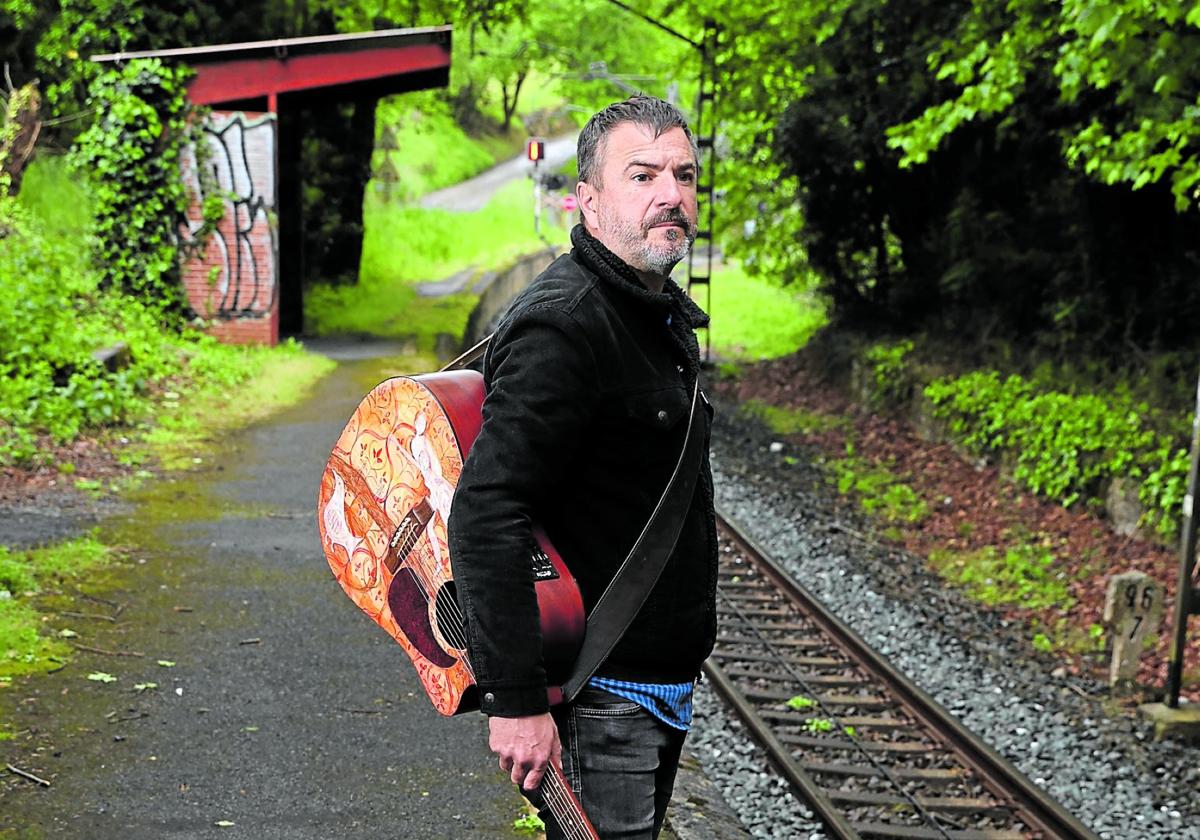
x,y
661,409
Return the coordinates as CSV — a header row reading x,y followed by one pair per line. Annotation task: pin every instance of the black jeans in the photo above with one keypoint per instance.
x,y
621,763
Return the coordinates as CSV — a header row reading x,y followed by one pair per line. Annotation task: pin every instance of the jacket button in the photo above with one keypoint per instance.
x,y
662,417
489,698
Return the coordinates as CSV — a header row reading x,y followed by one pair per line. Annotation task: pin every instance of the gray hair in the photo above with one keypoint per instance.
x,y
649,111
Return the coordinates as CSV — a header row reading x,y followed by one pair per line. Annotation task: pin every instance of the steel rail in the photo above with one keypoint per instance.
x,y
998,775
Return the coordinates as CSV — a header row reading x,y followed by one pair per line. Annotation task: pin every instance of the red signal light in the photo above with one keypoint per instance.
x,y
535,150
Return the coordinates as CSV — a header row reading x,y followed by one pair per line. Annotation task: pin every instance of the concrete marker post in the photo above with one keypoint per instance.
x,y
1133,605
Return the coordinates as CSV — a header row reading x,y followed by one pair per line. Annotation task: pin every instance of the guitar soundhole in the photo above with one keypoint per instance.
x,y
448,615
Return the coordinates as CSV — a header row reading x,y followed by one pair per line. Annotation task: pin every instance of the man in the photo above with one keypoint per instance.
x,y
589,380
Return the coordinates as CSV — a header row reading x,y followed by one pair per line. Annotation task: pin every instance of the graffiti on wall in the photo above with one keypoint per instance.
x,y
236,273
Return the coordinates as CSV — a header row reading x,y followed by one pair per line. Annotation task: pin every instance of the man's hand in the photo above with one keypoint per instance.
x,y
525,746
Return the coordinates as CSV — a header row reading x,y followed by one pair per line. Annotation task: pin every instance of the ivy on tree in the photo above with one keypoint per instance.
x,y
132,156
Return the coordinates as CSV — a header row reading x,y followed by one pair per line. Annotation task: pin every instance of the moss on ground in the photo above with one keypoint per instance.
x,y
32,583
29,582
1023,574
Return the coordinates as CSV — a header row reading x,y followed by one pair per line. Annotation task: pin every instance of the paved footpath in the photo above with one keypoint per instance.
x,y
475,193
287,712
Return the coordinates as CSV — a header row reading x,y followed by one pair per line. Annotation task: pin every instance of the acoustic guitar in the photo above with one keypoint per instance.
x,y
382,509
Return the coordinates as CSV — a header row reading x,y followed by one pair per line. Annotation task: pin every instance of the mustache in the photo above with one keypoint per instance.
x,y
673,215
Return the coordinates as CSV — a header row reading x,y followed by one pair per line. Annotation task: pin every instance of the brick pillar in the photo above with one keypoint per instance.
x,y
233,283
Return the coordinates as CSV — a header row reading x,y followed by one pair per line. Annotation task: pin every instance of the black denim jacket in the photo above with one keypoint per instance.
x,y
588,382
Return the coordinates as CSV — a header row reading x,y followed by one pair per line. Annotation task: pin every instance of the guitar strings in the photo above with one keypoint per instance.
x,y
567,820
555,790
564,806
455,631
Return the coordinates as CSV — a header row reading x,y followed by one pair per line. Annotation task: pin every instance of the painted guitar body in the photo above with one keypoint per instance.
x,y
382,507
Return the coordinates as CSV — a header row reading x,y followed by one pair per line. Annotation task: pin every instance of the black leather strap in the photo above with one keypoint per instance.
x,y
470,355
631,585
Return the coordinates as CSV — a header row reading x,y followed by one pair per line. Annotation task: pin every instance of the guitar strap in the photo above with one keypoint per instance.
x,y
631,585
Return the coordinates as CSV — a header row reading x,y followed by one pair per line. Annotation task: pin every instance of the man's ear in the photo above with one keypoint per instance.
x,y
588,204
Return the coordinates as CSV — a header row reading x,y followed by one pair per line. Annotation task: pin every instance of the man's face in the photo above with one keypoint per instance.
x,y
644,206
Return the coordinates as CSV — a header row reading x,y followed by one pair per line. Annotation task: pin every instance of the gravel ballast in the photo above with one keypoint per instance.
x,y
1106,770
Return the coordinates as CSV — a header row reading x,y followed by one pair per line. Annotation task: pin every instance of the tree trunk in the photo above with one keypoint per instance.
x,y
510,106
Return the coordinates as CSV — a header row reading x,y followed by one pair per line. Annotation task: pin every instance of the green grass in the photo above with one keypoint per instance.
x,y
25,647
753,318
55,197
403,246
1022,575
412,244
792,421
235,385
879,491
432,150
876,488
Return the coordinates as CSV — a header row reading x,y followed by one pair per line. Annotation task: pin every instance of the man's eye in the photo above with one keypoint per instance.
x,y
641,177
687,177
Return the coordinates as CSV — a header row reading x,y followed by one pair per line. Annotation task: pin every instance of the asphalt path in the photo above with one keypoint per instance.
x,y
286,713
472,195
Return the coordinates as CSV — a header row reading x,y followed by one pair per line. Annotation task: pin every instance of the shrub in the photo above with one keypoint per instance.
x,y
132,156
1064,445
890,381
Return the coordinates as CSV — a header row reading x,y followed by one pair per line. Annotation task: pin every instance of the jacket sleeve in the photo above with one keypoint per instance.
x,y
540,396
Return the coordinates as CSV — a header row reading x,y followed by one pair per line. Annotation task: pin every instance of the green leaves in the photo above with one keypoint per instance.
x,y
1136,52
131,154
889,372
1064,445
529,824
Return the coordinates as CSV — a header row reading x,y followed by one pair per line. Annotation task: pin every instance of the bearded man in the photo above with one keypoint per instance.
x,y
588,382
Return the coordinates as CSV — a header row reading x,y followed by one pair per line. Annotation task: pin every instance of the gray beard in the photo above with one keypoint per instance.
x,y
646,257
661,261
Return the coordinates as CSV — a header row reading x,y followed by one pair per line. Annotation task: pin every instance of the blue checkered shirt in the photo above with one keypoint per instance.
x,y
669,702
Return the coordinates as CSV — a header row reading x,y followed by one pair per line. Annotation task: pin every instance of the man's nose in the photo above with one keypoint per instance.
x,y
669,194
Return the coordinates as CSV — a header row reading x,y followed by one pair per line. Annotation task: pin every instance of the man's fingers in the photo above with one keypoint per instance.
x,y
532,780
528,773
525,746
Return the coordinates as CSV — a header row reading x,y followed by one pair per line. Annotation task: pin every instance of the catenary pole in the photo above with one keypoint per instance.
x,y
1185,593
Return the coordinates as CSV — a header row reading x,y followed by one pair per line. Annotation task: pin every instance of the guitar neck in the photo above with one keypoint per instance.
x,y
404,536
563,803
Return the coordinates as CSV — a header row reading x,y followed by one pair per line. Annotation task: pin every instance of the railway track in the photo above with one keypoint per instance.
x,y
871,753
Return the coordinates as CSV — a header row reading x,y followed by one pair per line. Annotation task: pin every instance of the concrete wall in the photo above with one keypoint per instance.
x,y
494,301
